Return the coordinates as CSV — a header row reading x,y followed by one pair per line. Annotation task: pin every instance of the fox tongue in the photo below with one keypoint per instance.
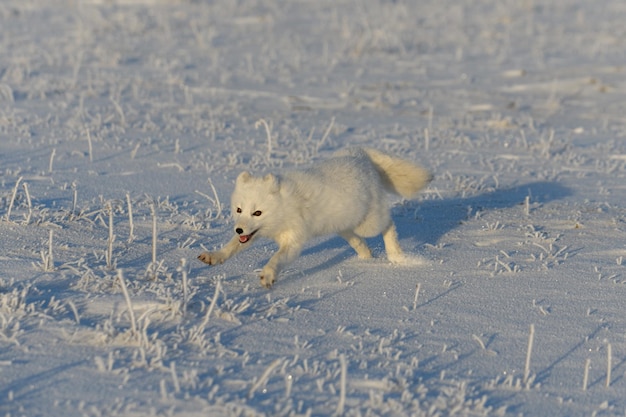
x,y
246,238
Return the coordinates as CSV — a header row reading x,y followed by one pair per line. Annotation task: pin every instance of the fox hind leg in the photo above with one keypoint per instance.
x,y
357,243
392,247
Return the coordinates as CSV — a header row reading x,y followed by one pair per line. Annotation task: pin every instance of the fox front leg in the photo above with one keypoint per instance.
x,y
229,249
285,255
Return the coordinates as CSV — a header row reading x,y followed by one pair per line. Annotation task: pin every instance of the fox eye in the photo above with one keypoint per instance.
x,y
257,213
238,209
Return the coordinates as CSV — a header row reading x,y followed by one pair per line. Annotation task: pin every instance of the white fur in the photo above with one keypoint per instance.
x,y
344,195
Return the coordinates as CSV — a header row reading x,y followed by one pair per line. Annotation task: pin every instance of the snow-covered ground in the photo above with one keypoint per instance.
x,y
109,107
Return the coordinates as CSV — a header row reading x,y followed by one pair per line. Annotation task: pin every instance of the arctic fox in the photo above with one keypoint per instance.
x,y
344,194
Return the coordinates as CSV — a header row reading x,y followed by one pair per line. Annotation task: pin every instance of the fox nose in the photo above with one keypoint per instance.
x,y
239,230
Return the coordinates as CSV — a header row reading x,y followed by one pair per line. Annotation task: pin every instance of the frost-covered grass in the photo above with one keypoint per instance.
x,y
123,125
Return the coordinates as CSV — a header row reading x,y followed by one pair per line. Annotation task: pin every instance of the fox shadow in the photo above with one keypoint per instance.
x,y
439,217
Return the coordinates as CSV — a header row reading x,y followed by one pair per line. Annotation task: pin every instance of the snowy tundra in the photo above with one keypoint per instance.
x,y
125,123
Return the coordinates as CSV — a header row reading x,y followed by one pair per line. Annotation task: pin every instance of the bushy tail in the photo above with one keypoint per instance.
x,y
399,176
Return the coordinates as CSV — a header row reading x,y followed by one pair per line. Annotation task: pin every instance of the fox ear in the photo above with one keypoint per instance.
x,y
273,183
244,177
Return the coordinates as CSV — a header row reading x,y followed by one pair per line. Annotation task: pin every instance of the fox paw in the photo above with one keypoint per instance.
x,y
211,258
267,277
402,259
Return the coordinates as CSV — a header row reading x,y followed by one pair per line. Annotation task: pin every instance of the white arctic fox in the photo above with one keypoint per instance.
x,y
344,194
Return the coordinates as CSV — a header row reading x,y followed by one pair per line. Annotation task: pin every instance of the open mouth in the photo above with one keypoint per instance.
x,y
246,238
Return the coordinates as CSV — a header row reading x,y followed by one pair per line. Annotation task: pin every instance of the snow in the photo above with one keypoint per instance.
x,y
155,106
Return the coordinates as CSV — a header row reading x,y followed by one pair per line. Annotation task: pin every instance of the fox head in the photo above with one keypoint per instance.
x,y
255,203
